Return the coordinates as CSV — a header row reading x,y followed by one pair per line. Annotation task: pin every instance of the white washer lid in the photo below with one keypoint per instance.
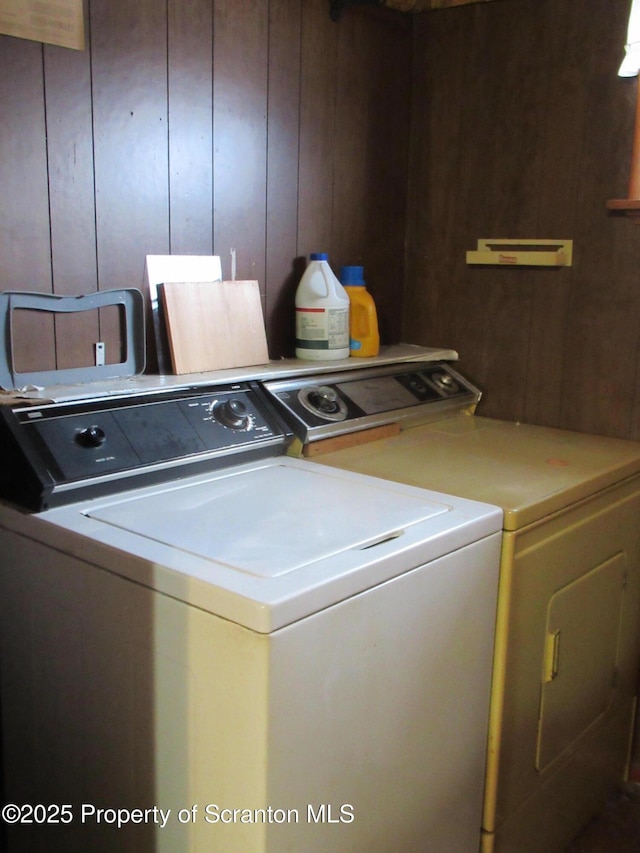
x,y
271,521
265,544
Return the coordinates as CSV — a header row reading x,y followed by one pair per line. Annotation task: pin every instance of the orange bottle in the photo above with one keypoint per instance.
x,y
364,337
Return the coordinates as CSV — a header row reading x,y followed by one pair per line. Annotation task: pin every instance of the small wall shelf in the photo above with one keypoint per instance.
x,y
526,253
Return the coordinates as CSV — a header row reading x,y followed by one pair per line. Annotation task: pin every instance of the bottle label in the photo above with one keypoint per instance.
x,y
322,328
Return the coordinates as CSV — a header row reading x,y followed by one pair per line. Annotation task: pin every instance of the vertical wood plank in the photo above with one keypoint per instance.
x,y
240,135
129,70
25,246
515,126
387,207
601,338
70,153
24,216
371,160
282,271
567,56
190,123
319,44
433,238
354,122
72,207
455,177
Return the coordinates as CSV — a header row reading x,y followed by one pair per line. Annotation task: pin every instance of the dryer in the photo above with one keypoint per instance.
x,y
208,645
567,648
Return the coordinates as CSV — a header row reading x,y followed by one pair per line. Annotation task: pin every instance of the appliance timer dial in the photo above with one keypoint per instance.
x,y
232,413
91,436
445,382
323,401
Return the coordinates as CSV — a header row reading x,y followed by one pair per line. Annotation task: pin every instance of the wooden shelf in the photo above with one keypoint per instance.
x,y
525,253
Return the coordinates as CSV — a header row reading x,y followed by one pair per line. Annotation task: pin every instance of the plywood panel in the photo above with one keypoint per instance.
x,y
214,325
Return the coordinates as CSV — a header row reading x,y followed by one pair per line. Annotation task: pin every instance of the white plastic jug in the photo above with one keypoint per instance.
x,y
322,313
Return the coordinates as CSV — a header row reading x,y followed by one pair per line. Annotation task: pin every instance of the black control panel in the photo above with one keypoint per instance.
x,y
52,454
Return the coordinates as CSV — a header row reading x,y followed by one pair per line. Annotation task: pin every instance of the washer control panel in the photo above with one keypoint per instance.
x,y
101,440
335,403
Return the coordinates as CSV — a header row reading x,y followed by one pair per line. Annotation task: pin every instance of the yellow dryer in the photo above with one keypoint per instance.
x,y
567,649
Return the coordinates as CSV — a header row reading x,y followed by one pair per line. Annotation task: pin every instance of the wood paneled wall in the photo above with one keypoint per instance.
x,y
195,127
522,129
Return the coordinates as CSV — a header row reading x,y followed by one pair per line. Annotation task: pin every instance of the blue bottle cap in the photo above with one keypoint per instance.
x,y
352,276
318,256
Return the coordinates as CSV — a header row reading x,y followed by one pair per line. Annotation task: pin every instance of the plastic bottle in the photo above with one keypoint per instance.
x,y
363,325
322,313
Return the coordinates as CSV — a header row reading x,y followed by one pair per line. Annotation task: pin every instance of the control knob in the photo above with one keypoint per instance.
x,y
232,414
323,401
325,398
445,382
91,436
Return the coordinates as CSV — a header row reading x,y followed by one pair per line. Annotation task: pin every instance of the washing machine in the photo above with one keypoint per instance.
x,y
207,644
566,659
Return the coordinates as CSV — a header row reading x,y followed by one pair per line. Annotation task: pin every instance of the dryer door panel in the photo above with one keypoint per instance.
x,y
557,736
581,657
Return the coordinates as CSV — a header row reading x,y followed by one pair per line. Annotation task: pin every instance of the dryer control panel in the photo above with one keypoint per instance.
x,y
330,404
53,453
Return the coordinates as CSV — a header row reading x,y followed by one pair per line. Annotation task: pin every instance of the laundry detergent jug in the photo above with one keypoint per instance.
x,y
364,337
322,313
